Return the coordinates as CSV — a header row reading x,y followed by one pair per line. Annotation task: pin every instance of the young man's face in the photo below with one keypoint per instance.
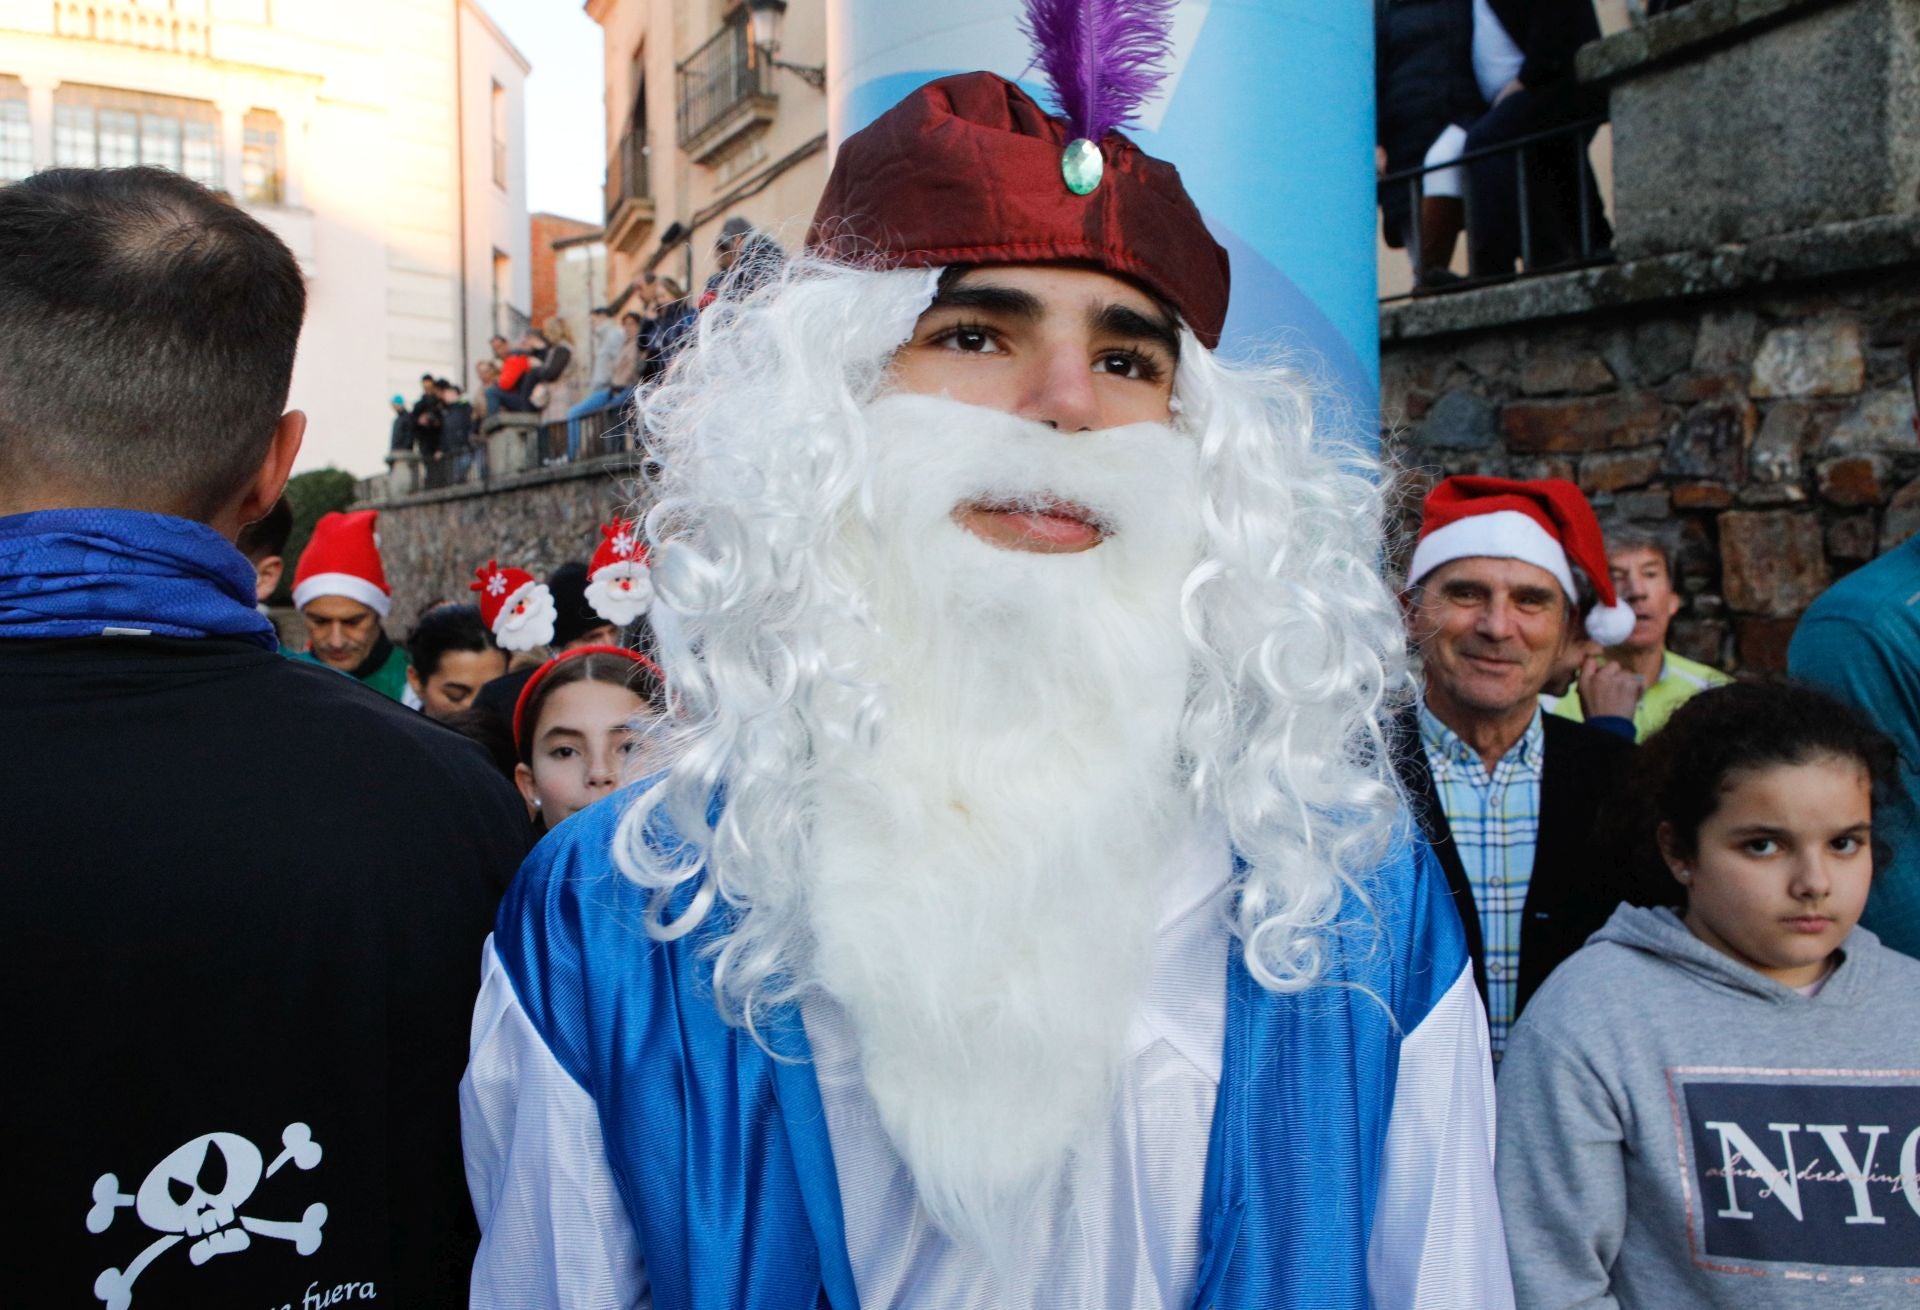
x,y
1075,349
1489,631
1640,577
342,632
500,346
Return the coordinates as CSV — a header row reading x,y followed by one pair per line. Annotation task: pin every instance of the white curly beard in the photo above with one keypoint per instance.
x,y
621,593
532,626
984,893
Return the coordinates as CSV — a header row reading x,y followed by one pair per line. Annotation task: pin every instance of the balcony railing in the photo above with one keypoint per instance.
x,y
718,81
627,172
1552,180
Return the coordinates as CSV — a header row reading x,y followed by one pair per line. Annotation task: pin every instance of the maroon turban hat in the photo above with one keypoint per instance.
x,y
967,170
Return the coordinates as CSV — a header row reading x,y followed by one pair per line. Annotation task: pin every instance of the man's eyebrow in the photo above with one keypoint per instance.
x,y
1123,321
1009,301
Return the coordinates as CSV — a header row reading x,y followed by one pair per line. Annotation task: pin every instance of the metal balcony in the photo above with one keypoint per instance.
x,y
629,193
725,91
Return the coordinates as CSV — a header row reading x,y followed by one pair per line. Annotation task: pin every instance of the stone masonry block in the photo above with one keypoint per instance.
x,y
1725,341
1560,374
1611,422
1851,537
1820,359
1853,480
1760,645
1618,470
1711,441
1780,442
1459,420
1902,518
1881,421
1702,495
1772,562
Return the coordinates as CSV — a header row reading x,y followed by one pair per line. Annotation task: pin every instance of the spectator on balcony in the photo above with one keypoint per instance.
x,y
1426,99
427,419
400,435
632,357
669,319
456,429
748,260
1523,59
508,393
553,377
602,393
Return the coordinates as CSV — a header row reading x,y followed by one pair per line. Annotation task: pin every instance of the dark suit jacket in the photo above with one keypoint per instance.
x,y
1577,881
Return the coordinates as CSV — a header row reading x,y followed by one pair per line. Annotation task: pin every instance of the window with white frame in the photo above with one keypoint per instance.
x,y
99,127
16,132
262,159
499,112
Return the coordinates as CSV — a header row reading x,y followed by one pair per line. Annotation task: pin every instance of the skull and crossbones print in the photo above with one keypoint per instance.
x,y
196,1193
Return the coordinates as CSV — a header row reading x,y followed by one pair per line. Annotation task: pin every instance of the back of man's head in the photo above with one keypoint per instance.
x,y
147,334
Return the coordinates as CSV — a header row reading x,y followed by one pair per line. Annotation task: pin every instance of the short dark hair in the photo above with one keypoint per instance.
x,y
147,335
633,316
444,628
1682,771
268,537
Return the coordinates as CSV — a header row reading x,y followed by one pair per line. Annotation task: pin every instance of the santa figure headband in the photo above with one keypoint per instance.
x,y
619,581
517,608
969,170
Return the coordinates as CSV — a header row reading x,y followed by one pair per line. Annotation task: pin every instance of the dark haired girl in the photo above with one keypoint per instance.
x,y
575,728
1722,1106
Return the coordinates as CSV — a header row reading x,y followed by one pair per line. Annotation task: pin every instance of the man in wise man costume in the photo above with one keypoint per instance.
x,y
1026,915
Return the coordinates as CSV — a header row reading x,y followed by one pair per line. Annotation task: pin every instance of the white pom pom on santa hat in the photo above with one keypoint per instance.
x,y
1546,522
516,607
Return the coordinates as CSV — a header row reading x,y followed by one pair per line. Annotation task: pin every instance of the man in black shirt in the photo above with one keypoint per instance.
x,y
246,896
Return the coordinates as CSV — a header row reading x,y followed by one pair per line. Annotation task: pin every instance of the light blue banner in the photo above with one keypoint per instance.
x,y
1267,113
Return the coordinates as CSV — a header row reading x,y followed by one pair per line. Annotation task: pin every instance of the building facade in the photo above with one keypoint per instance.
x,y
384,140
705,122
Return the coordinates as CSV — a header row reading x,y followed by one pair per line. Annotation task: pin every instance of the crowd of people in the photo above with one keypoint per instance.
x,y
991,835
545,375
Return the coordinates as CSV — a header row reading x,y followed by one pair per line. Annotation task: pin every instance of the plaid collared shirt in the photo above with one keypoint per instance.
x,y
1495,821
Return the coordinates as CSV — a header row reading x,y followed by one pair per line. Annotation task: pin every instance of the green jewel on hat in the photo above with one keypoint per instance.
x,y
1081,166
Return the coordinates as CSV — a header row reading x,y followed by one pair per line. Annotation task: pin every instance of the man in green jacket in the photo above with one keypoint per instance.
x,y
341,591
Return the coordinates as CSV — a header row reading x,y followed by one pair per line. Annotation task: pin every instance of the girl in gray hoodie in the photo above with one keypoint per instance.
x,y
1722,1107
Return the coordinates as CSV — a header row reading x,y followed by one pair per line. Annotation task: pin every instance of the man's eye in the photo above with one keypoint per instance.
x,y
561,753
1126,364
968,340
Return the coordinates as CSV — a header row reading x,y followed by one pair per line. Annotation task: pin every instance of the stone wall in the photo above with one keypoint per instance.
x,y
1767,432
432,542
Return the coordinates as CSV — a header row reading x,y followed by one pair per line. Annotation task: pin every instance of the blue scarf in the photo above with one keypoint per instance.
x,y
122,572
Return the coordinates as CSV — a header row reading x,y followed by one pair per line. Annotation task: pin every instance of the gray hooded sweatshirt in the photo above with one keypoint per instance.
x,y
1678,1131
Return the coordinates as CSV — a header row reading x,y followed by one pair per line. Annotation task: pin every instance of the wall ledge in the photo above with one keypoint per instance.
x,y
1834,249
619,471
1685,33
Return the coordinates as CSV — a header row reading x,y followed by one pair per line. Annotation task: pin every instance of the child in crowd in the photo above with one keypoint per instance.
x,y
575,728
451,656
1722,1107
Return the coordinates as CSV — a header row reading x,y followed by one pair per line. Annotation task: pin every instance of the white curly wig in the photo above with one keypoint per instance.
x,y
1296,642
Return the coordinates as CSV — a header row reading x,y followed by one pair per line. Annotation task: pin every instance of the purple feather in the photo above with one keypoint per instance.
x,y
1103,57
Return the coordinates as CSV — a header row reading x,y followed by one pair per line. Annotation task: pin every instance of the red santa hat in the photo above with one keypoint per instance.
x,y
342,558
1546,523
516,606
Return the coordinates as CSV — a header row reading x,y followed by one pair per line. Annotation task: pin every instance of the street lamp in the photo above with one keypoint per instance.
x,y
763,18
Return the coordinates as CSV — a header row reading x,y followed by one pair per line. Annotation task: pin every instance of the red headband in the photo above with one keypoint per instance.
x,y
539,675
966,170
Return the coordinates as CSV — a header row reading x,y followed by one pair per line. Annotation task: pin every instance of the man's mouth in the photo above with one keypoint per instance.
x,y
1046,527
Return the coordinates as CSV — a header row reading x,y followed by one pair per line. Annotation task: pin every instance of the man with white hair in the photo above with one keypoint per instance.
x,y
1026,914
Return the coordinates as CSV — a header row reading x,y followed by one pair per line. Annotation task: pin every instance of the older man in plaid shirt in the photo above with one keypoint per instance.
x,y
1501,580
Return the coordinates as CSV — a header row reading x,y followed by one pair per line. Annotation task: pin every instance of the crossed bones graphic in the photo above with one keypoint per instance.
x,y
195,1192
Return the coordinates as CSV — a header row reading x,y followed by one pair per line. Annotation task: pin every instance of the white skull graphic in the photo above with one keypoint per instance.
x,y
197,1190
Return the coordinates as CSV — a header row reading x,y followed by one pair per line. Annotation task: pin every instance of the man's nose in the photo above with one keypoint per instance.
x,y
1496,620
1058,390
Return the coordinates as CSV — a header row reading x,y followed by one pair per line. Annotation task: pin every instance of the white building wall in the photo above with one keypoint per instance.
x,y
376,103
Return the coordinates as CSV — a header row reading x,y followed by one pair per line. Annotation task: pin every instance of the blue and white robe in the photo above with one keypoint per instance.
x,y
626,1147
